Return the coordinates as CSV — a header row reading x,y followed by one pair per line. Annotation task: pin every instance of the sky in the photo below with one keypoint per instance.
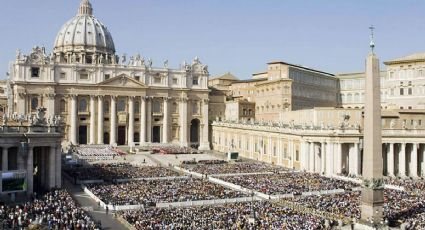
x,y
237,36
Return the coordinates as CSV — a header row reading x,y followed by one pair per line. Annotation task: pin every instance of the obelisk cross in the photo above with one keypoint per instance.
x,y
372,38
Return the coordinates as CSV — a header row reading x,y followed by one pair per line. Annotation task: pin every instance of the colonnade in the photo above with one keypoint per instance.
x,y
47,165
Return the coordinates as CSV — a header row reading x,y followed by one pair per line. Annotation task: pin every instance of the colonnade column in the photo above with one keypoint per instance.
x,y
165,121
52,169
330,159
390,160
323,158
131,121
5,160
58,166
338,158
113,118
100,120
73,133
302,155
205,144
357,159
143,120
183,122
402,160
414,161
311,156
92,119
30,171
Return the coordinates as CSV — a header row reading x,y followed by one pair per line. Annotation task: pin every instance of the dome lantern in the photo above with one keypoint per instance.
x,y
85,8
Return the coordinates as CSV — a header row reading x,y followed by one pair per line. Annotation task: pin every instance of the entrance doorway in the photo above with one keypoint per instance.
x,y
106,138
121,135
82,135
194,133
156,134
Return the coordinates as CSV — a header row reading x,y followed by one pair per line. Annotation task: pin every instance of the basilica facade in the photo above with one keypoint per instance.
x,y
103,98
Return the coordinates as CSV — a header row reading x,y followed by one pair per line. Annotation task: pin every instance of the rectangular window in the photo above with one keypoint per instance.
x,y
84,76
195,81
410,91
35,72
137,78
401,91
175,81
419,122
63,76
107,76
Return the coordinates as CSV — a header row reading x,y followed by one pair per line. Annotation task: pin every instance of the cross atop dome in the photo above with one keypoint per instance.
x,y
85,8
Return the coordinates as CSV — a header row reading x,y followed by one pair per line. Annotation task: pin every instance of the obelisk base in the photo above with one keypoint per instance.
x,y
372,206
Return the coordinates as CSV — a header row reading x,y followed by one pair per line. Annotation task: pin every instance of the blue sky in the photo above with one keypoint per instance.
x,y
239,36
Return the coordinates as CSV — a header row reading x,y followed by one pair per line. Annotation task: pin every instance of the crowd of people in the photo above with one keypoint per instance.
x,y
54,210
232,168
110,171
171,149
399,206
289,183
229,216
97,154
150,192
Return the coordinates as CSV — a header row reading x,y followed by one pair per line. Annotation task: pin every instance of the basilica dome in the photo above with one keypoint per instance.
x,y
84,34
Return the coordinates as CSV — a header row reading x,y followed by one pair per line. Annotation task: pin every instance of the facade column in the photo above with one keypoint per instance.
x,y
100,120
205,144
402,160
311,157
143,120
74,120
183,122
302,155
92,119
414,161
149,120
30,171
52,168
50,104
323,158
5,160
131,121
422,173
165,121
390,160
317,158
113,117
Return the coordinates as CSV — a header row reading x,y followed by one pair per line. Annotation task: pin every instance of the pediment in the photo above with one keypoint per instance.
x,y
122,81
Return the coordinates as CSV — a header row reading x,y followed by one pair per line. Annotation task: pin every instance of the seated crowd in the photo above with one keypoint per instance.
x,y
91,153
170,149
150,192
289,183
400,207
229,216
54,210
117,171
232,168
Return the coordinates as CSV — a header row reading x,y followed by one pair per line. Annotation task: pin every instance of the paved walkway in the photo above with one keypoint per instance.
x,y
99,215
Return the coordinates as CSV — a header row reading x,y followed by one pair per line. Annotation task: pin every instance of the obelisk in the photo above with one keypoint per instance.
x,y
372,201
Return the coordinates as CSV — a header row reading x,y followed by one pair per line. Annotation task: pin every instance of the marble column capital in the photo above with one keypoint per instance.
x,y
100,97
50,95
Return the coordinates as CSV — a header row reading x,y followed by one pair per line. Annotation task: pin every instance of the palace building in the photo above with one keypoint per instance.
x,y
106,99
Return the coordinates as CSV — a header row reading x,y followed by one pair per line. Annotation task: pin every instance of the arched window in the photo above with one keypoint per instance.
x,y
121,105
62,106
34,103
82,107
